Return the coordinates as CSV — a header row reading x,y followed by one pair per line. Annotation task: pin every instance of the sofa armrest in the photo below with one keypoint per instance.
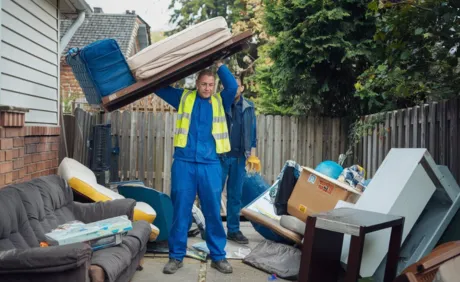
x,y
102,210
49,259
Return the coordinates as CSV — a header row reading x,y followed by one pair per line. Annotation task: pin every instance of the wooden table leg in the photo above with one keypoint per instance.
x,y
393,253
354,258
321,252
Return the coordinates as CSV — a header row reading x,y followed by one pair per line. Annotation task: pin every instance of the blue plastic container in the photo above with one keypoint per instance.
x,y
100,68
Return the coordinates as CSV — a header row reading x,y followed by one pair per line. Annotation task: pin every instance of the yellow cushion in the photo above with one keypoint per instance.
x,y
154,234
99,193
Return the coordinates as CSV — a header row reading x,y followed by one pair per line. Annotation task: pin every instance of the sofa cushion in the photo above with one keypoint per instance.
x,y
15,230
48,202
114,260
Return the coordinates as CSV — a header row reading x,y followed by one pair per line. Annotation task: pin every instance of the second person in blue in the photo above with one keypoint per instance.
x,y
201,136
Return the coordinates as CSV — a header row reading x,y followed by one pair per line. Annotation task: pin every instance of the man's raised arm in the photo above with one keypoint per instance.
x,y
170,95
230,86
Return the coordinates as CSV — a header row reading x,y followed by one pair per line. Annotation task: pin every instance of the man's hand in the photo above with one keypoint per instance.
x,y
219,64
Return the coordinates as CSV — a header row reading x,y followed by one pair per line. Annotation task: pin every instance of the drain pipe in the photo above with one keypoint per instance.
x,y
62,45
71,31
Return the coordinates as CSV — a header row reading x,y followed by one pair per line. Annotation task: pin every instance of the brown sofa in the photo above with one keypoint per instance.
x,y
30,210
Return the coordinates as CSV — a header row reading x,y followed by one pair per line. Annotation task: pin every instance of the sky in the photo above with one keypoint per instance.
x,y
154,12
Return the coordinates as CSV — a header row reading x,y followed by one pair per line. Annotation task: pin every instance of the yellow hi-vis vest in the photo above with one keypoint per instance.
x,y
219,123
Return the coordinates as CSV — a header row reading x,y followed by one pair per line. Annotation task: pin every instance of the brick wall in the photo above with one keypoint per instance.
x,y
27,152
69,85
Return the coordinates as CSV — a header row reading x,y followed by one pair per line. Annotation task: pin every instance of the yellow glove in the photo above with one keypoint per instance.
x,y
253,164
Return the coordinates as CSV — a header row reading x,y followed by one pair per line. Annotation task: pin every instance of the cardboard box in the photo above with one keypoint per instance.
x,y
315,192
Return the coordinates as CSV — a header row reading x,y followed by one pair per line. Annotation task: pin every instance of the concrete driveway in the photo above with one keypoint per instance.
x,y
195,270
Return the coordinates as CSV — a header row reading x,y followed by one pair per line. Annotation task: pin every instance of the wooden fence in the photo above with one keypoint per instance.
x,y
145,140
433,126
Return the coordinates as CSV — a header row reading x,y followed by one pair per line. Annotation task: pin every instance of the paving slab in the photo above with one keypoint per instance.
x,y
197,271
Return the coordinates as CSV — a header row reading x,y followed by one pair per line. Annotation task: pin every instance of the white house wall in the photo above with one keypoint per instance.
x,y
29,58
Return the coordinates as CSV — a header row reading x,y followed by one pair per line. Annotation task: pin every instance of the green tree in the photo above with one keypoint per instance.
x,y
189,12
321,47
417,54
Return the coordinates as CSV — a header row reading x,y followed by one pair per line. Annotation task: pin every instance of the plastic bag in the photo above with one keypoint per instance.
x,y
353,176
254,186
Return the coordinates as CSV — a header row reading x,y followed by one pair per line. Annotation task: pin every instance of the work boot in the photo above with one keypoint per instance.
x,y
172,266
237,237
222,266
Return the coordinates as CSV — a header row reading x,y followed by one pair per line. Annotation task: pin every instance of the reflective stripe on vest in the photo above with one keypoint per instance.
x,y
219,122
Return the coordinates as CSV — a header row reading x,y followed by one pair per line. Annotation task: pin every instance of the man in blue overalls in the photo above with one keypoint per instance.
x,y
201,135
241,122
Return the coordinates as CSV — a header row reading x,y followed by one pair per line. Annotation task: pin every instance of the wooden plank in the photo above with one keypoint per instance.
x,y
443,134
432,142
335,149
305,141
26,73
17,55
285,139
261,141
454,138
401,116
294,138
87,129
381,141
277,148
114,172
375,145
31,102
369,148
343,137
365,147
407,128
150,149
45,5
326,140
36,11
142,150
393,129
388,134
415,123
22,86
28,18
124,156
318,147
77,135
423,125
159,145
133,146
167,154
269,149
25,44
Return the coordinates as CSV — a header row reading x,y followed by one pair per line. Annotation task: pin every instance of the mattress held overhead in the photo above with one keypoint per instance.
x,y
179,47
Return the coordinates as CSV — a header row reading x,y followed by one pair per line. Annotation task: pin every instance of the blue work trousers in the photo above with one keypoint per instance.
x,y
188,178
235,169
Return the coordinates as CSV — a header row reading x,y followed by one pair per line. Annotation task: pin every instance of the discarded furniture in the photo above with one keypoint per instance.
x,y
30,210
323,240
408,183
84,183
441,260
161,202
174,73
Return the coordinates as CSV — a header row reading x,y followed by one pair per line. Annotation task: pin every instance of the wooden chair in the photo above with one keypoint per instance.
x,y
425,269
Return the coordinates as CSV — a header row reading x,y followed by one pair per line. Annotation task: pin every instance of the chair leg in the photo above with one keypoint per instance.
x,y
393,253
321,252
354,258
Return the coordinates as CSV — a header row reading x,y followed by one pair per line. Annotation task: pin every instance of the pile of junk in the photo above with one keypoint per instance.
x,y
407,184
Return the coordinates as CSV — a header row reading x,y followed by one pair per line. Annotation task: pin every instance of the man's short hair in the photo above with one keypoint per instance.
x,y
206,72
